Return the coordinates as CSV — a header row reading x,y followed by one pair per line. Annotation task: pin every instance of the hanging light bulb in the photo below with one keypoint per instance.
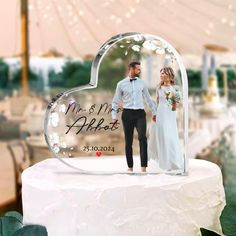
x,y
211,25
69,7
132,10
81,13
118,20
231,23
59,8
112,17
31,7
45,16
208,32
127,15
223,20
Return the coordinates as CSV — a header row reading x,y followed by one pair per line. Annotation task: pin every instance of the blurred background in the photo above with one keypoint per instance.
x,y
47,47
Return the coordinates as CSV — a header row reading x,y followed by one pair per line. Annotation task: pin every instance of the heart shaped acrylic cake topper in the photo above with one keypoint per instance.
x,y
78,122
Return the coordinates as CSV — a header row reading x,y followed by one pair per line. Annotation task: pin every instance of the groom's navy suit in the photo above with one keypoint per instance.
x,y
131,92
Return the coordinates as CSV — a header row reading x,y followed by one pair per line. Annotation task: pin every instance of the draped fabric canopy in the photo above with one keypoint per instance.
x,y
79,27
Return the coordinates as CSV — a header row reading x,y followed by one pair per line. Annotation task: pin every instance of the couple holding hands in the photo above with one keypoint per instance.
x,y
164,146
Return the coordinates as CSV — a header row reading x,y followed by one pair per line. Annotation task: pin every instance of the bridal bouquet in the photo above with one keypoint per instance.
x,y
173,97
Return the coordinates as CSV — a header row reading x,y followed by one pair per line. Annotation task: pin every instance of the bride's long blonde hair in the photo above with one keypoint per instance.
x,y
170,72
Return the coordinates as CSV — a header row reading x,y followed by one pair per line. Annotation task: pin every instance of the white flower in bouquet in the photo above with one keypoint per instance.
x,y
173,97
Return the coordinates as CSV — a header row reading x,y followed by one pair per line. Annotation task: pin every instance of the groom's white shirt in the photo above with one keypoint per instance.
x,y
131,94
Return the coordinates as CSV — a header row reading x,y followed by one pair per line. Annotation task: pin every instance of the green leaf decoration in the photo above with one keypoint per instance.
x,y
31,230
8,225
15,214
206,232
228,220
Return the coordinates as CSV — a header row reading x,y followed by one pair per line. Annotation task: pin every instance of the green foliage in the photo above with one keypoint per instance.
x,y
17,76
223,149
231,76
16,215
35,79
195,81
73,74
115,63
31,230
110,73
11,224
206,232
76,73
219,75
4,71
228,220
194,78
55,79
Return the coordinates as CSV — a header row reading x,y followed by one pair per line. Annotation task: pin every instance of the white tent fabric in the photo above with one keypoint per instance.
x,y
79,27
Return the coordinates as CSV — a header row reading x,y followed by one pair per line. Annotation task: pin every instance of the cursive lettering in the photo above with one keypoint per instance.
x,y
92,125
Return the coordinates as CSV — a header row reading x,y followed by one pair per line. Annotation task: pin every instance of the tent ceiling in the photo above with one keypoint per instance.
x,y
79,27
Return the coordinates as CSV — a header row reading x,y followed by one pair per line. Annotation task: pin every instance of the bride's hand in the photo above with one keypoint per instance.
x,y
174,106
154,118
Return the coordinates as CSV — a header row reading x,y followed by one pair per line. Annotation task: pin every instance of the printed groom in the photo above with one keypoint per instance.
x,y
131,91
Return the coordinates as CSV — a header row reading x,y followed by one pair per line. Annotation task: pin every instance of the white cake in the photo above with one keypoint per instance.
x,y
70,204
212,105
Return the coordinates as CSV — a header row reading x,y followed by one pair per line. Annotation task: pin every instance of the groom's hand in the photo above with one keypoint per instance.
x,y
154,118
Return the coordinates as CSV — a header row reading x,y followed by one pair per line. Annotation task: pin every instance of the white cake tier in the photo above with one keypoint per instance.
x,y
70,204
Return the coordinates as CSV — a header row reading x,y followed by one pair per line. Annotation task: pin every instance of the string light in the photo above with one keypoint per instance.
x,y
69,7
230,6
208,32
81,13
132,10
210,25
45,16
231,23
127,15
112,17
223,20
30,7
70,19
59,8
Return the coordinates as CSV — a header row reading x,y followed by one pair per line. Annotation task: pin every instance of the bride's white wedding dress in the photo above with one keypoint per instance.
x,y
163,144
